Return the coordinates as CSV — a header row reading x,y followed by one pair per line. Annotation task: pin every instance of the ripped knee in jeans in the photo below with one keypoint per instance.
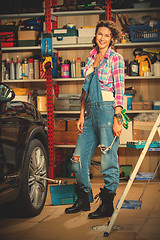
x,y
76,159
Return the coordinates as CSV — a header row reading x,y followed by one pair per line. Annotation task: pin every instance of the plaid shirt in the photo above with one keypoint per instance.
x,y
111,73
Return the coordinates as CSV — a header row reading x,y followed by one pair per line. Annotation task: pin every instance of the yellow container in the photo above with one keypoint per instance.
x,y
42,103
21,91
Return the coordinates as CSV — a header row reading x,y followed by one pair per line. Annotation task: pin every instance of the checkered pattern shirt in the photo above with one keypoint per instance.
x,y
111,73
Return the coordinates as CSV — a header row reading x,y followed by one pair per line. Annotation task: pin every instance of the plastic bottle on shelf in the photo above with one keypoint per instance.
x,y
78,68
123,37
59,66
7,73
55,68
18,69
157,69
36,69
82,69
134,68
23,71
3,70
30,68
73,68
12,69
65,70
26,68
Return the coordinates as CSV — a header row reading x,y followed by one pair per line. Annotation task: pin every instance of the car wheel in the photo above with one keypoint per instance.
x,y
33,189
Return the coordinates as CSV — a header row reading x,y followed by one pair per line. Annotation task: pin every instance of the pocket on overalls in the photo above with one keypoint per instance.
x,y
106,113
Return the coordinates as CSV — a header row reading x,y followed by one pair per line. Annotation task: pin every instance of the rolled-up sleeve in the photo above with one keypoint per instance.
x,y
118,68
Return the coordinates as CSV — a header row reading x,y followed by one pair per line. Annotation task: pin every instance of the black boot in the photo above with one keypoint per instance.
x,y
106,208
81,204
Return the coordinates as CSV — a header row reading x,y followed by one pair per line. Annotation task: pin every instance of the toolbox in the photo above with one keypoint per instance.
x,y
68,103
65,35
65,194
8,35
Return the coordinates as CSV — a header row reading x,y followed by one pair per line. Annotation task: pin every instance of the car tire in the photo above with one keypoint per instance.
x,y
33,188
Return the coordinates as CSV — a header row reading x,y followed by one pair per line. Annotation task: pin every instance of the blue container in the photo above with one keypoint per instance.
x,y
47,49
55,68
129,98
145,33
65,194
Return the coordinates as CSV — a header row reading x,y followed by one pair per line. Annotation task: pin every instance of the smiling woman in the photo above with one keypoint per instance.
x,y
102,100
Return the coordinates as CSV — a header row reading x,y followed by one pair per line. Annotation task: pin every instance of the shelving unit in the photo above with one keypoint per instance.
x,y
143,84
67,51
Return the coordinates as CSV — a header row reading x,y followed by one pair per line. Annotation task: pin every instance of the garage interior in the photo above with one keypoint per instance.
x,y
61,94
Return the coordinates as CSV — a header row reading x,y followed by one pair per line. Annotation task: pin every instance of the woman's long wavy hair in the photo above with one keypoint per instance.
x,y
112,27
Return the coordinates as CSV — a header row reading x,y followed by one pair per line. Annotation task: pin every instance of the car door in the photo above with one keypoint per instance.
x,y
9,131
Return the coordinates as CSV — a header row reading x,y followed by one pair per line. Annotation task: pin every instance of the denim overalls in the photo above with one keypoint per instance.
x,y
97,130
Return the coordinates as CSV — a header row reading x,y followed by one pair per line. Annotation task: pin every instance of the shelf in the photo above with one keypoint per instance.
x,y
64,146
142,111
43,113
90,45
78,13
73,146
98,12
21,48
24,81
130,10
82,45
128,111
82,79
66,112
68,79
134,44
21,15
141,77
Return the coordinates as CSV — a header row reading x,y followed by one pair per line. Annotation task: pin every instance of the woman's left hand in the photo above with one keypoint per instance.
x,y
117,128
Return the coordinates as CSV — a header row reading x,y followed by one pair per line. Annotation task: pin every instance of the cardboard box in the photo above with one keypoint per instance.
x,y
65,132
142,105
65,137
59,125
27,35
141,130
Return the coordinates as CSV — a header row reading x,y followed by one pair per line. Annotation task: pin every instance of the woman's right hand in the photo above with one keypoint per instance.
x,y
80,124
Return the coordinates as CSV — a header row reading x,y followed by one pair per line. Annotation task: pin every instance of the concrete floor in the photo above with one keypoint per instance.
x,y
53,224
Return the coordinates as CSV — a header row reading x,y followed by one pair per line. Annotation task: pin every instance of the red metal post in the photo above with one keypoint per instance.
x,y
54,26
108,16
49,96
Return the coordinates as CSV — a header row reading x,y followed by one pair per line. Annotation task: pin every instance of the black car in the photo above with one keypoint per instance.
x,y
24,157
